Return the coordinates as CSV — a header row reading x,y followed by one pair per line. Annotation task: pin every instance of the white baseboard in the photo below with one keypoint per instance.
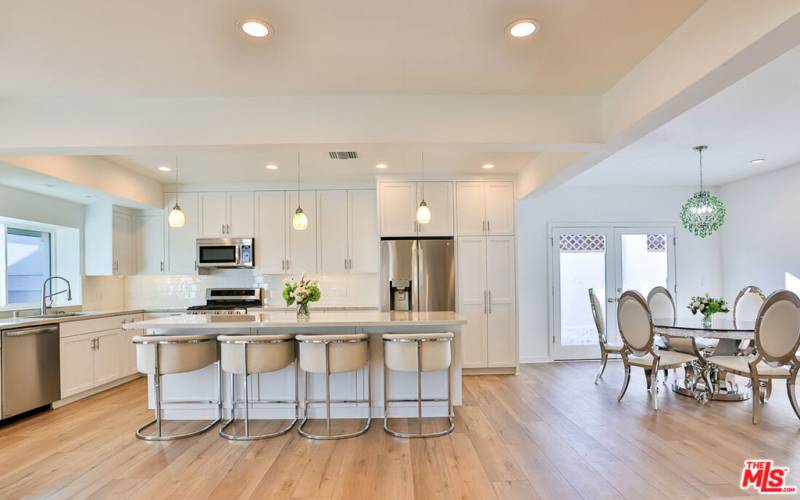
x,y
535,359
95,390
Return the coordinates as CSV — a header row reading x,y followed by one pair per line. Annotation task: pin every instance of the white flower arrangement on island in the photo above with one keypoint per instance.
x,y
707,306
301,292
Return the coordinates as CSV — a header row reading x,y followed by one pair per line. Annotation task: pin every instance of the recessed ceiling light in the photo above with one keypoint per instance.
x,y
381,166
255,28
488,166
165,168
271,167
522,28
757,161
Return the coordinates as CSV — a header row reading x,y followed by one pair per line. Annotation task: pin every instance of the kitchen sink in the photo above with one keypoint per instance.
x,y
60,315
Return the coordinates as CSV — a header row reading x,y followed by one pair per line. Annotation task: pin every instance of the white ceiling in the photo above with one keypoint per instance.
x,y
756,117
186,48
247,163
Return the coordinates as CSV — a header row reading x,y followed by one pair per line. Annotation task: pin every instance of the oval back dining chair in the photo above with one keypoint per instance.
x,y
635,323
777,341
745,309
602,337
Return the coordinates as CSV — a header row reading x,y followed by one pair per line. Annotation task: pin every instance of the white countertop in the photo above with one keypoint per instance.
x,y
288,319
25,321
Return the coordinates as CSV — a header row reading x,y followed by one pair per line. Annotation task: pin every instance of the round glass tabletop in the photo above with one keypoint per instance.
x,y
721,327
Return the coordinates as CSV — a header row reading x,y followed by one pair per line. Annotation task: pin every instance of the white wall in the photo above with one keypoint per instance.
x,y
28,206
698,263
760,240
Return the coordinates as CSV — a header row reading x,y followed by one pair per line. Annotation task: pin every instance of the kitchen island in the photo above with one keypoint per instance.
x,y
203,384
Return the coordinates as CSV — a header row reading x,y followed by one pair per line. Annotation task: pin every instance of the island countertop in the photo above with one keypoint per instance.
x,y
288,319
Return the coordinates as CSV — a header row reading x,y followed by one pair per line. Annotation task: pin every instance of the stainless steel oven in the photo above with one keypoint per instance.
x,y
225,253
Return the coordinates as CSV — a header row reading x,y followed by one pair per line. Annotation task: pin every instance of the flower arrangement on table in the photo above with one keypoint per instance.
x,y
301,292
707,306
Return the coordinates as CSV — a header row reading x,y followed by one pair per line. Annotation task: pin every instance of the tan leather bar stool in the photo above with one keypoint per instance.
x,y
164,355
246,355
418,352
330,354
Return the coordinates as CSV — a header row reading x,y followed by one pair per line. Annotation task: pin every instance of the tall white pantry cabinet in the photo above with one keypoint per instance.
x,y
480,216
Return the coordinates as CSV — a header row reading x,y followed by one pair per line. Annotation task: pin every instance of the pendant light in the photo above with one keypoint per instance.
x,y
299,220
703,213
423,212
176,216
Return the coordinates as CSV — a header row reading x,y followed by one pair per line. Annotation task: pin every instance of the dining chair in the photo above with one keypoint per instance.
x,y
745,309
635,323
602,337
777,336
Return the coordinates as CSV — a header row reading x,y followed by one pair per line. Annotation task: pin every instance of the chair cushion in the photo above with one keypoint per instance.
x,y
667,359
741,366
263,356
344,356
614,348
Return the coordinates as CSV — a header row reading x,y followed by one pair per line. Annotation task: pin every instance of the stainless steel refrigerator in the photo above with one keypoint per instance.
x,y
418,274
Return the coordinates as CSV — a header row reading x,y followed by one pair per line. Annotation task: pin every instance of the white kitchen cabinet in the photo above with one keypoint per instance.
x,y
224,215
487,300
77,364
439,197
332,237
107,356
485,208
150,238
398,208
270,234
472,301
301,246
109,241
181,241
363,231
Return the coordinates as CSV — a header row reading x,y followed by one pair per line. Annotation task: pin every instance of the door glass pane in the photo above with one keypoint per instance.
x,y
644,261
28,264
582,265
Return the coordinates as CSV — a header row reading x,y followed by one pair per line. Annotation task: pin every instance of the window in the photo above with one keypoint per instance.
x,y
28,264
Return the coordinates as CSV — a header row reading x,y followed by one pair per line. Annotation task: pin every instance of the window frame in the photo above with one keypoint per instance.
x,y
22,226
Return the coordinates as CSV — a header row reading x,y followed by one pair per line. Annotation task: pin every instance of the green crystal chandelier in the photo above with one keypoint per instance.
x,y
703,213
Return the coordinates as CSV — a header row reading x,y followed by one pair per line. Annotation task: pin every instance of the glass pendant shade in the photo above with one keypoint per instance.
x,y
423,213
176,217
702,214
300,220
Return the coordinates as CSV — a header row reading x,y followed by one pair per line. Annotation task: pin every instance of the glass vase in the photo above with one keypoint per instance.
x,y
707,321
302,312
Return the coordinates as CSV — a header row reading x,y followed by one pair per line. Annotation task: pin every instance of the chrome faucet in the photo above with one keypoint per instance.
x,y
50,296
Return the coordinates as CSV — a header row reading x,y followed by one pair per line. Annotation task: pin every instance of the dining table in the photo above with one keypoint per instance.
x,y
728,336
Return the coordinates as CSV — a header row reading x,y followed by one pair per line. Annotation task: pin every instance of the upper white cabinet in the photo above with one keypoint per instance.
x,y
226,214
270,234
398,208
348,231
485,208
181,241
301,246
150,238
109,241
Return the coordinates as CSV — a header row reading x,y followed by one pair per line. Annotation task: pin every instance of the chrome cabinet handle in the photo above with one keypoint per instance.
x,y
488,226
162,266
490,302
485,303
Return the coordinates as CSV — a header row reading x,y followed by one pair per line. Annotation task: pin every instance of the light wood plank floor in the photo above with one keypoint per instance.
x,y
547,433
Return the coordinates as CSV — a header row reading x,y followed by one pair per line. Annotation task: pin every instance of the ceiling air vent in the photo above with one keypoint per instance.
x,y
343,155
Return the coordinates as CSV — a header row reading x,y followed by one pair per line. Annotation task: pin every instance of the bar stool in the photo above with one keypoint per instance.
x,y
254,354
164,355
418,352
330,354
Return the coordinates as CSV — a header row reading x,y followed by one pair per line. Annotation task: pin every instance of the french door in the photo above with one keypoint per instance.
x,y
609,259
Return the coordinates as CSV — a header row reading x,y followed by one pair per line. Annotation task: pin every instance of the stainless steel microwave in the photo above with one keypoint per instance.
x,y
225,253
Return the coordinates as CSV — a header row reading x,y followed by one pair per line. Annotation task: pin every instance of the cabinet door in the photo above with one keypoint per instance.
x,y
241,214
502,330
364,241
439,197
150,238
470,209
108,357
181,241
301,245
398,204
500,207
332,231
271,223
123,250
213,215
472,300
77,364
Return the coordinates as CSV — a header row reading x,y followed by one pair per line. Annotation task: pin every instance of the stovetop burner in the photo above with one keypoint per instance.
x,y
228,301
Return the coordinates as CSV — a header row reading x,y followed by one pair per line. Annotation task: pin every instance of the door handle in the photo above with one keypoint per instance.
x,y
611,300
490,302
162,266
488,226
30,331
485,303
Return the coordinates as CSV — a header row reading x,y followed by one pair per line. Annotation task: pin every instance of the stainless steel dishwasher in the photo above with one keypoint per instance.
x,y
31,368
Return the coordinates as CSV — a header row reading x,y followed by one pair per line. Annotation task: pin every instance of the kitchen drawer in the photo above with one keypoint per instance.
x,y
80,327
